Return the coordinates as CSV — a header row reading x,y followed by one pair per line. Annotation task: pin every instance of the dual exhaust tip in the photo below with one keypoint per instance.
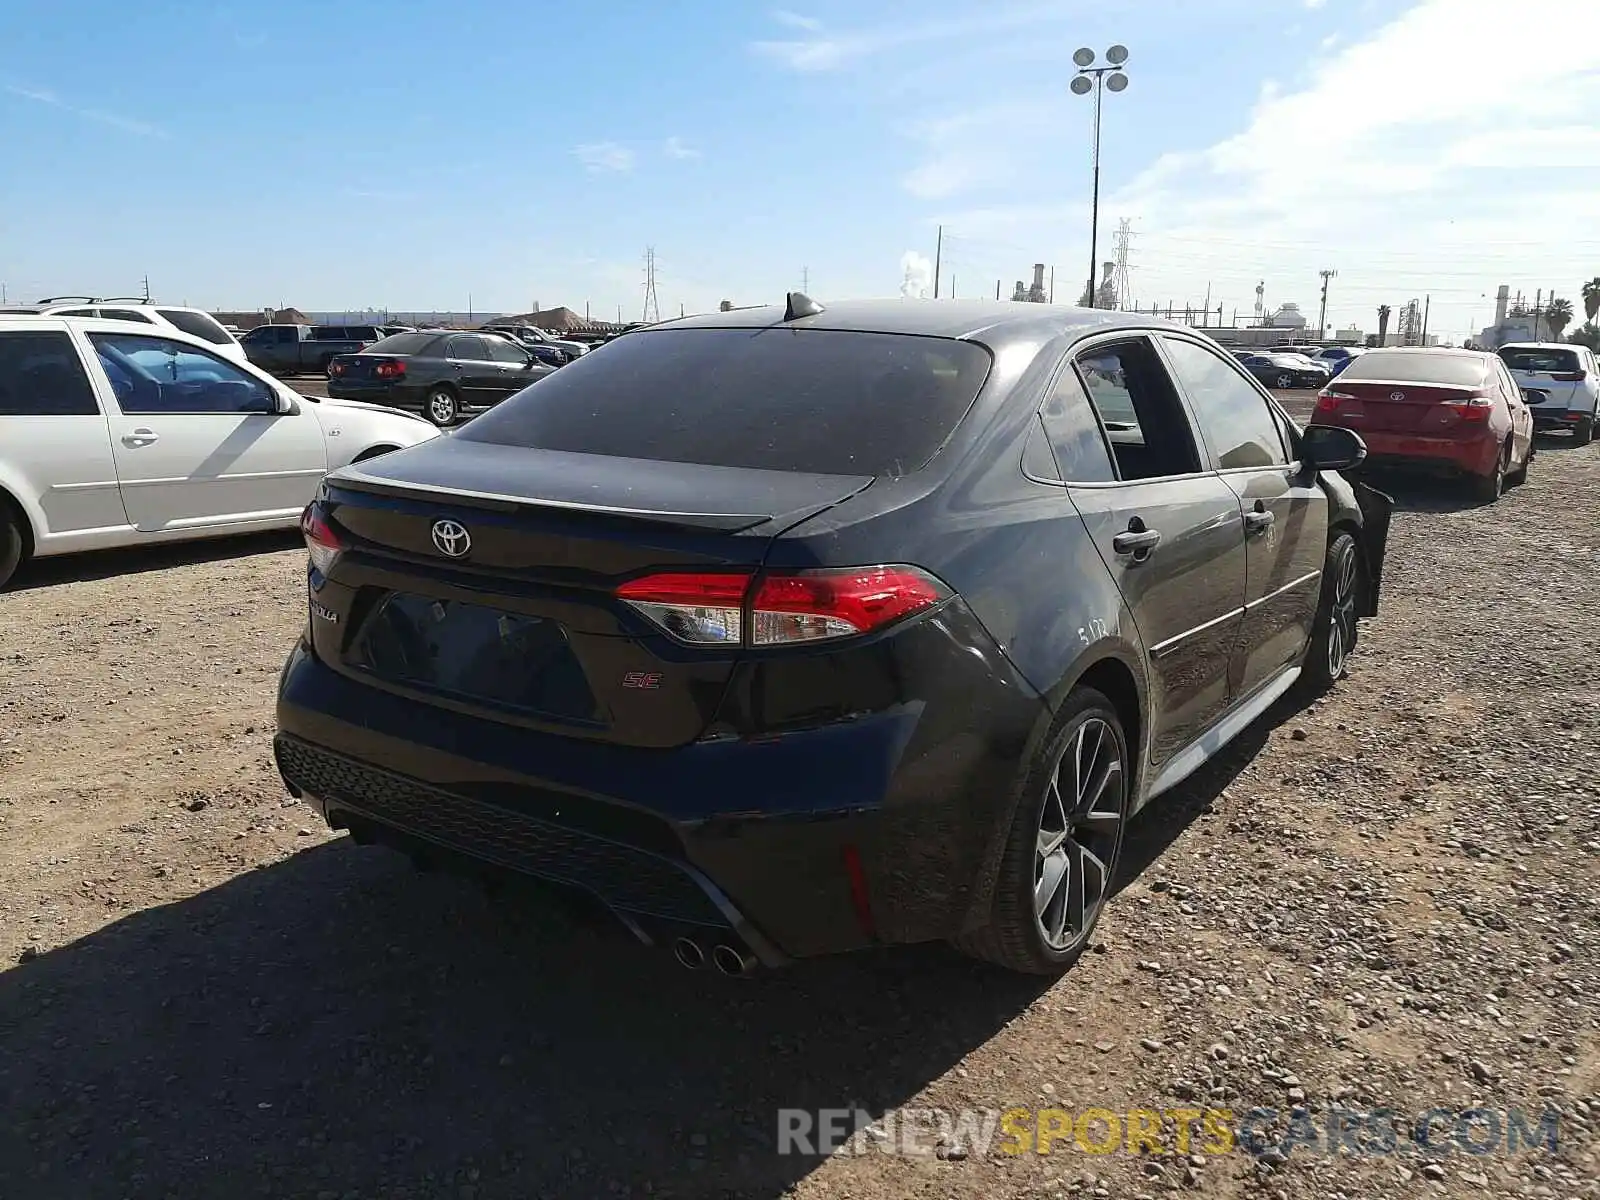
x,y
730,960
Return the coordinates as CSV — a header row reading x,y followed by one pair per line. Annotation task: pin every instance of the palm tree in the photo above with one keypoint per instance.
x,y
1591,298
1558,315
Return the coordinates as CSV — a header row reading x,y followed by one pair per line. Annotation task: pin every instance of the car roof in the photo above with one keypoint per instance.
x,y
10,322
1543,346
990,322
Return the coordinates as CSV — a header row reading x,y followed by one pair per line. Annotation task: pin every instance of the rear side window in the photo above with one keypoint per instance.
x,y
1417,366
404,343
1546,362
197,325
1080,447
814,400
42,376
124,314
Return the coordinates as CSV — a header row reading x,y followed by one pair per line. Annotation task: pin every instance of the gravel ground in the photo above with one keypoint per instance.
x,y
1386,900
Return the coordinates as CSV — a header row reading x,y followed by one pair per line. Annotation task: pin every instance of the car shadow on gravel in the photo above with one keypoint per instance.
x,y
1166,818
335,1025
109,564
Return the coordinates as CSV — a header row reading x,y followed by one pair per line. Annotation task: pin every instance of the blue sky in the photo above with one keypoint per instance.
x,y
410,156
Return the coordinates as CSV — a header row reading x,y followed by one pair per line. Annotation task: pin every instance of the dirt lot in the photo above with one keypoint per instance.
x,y
1386,900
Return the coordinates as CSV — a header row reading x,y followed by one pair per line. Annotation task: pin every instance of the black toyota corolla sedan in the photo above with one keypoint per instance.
x,y
441,374
795,630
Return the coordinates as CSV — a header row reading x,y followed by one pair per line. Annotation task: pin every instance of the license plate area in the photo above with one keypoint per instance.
x,y
475,654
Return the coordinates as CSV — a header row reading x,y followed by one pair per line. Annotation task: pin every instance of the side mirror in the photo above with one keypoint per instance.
x,y
284,405
1332,448
1534,395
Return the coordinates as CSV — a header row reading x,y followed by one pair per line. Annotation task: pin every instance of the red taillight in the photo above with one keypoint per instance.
x,y
1569,376
787,608
389,370
321,542
1328,400
1475,408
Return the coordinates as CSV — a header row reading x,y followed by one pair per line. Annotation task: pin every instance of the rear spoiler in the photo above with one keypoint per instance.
x,y
1376,510
352,479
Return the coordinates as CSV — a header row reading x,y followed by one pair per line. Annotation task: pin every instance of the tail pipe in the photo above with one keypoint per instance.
x,y
688,953
730,960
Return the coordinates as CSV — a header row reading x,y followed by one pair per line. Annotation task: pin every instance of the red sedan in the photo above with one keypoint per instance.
x,y
1454,411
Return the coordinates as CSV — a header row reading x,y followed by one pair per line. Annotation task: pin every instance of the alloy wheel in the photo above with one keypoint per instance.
x,y
1080,827
1284,381
1342,616
442,408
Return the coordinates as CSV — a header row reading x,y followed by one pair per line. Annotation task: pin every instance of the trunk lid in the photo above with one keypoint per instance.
x,y
520,621
1399,406
360,366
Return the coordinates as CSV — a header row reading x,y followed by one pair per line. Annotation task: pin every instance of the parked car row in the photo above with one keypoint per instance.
x,y
1457,412
442,375
121,434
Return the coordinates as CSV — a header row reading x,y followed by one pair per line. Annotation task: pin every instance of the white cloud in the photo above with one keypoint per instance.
x,y
795,21
1417,158
99,115
1313,4
598,157
676,147
916,276
828,52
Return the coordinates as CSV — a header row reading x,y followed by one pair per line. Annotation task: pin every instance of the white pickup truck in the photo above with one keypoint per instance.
x,y
111,435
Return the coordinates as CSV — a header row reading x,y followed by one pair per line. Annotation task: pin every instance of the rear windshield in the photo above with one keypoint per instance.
x,y
402,343
1417,366
197,325
813,400
1547,361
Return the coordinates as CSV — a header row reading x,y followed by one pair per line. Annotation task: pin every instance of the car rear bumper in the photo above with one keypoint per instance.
x,y
1475,456
1547,419
876,829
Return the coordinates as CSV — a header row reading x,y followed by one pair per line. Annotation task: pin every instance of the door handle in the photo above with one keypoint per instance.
x,y
1258,521
140,437
1136,540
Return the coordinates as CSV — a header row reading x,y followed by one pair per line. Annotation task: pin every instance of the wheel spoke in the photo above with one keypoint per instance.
x,y
1075,888
1053,876
1091,813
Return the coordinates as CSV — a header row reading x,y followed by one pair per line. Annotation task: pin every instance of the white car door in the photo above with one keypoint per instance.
x,y
197,439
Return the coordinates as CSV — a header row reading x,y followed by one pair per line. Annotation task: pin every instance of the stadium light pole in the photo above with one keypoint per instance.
x,y
1096,79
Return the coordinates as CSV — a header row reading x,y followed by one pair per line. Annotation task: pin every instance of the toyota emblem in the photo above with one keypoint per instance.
x,y
1397,395
451,539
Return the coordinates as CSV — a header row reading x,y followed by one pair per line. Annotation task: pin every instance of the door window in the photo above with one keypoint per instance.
x,y
157,375
1234,416
505,352
285,335
124,314
468,349
42,376
1144,421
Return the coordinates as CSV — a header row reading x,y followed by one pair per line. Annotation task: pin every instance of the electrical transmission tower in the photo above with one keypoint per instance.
x,y
652,309
1119,276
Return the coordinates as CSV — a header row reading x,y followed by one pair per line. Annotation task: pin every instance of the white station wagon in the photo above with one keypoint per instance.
x,y
118,435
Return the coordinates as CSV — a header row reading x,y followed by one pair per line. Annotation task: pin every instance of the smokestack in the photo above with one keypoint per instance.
x,y
1500,299
1038,276
1110,269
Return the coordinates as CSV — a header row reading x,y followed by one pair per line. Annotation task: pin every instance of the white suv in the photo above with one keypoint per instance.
x,y
1567,374
165,317
116,435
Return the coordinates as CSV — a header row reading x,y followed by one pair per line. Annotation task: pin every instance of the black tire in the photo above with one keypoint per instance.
x,y
442,407
1090,838
1583,432
1334,630
1489,488
12,545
